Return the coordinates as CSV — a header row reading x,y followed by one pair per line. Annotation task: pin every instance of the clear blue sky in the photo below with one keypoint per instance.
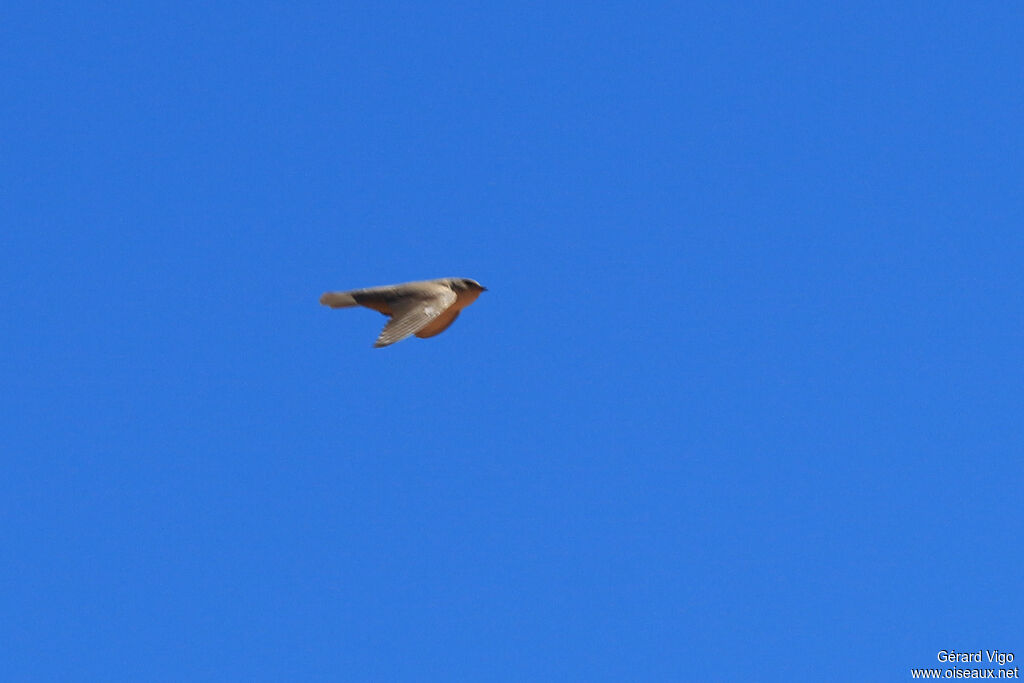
x,y
743,402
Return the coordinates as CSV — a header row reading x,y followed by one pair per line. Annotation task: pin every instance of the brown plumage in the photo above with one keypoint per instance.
x,y
423,308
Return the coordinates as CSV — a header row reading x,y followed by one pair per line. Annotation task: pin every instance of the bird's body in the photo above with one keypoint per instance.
x,y
423,308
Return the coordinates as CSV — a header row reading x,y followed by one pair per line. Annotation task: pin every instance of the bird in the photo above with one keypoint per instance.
x,y
424,308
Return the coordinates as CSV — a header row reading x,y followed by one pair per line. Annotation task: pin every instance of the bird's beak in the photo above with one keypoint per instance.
x,y
482,288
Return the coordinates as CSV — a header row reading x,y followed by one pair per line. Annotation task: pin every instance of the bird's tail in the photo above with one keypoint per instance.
x,y
338,299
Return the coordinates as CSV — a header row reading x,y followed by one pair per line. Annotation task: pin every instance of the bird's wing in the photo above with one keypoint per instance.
x,y
409,314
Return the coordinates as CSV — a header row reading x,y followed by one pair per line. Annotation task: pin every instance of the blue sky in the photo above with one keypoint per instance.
x,y
744,400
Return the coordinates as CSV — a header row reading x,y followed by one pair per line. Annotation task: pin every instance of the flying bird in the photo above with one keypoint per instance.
x,y
423,308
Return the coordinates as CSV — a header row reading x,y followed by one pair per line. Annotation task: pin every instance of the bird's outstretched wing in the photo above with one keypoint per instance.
x,y
410,314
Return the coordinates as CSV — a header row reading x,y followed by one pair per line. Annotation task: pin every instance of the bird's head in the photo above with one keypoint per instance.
x,y
464,284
